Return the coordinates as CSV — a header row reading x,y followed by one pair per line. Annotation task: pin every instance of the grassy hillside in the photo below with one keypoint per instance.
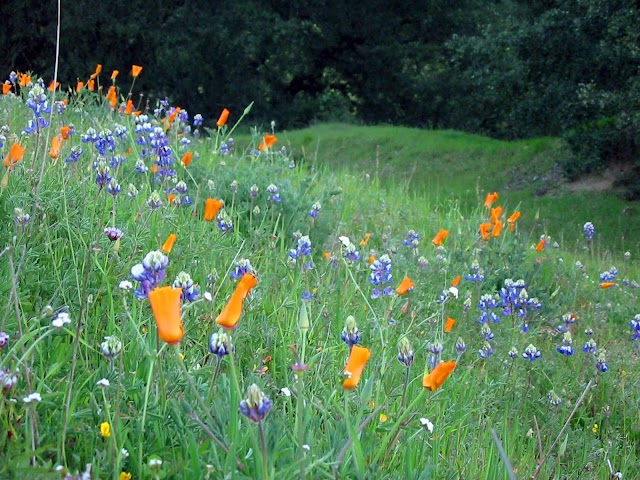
x,y
450,164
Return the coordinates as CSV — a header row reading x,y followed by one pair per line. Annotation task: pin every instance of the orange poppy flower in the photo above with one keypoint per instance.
x,y
495,214
112,96
97,72
91,85
79,87
65,132
56,145
497,228
154,168
171,198
490,199
438,240
15,155
211,208
129,108
6,88
267,142
232,311
456,281
224,116
172,116
114,74
165,304
540,245
448,324
405,286
607,284
358,358
485,231
167,246
24,79
512,220
372,258
434,380
135,70
186,159
53,86
365,240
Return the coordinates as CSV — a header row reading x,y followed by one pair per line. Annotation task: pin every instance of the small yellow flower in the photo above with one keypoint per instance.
x,y
105,429
125,476
383,417
595,428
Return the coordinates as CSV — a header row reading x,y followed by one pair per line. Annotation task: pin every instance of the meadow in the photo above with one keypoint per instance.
x,y
335,302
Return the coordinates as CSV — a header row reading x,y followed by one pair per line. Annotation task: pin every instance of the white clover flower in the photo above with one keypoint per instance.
x,y
61,320
426,424
155,463
32,398
285,391
124,452
103,383
126,285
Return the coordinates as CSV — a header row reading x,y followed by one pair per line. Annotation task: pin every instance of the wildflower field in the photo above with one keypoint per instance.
x,y
176,304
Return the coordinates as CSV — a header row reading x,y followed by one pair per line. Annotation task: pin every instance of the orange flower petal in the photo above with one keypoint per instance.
x,y
79,87
186,159
56,145
607,284
456,281
497,228
135,70
495,214
15,155
358,358
168,244
540,245
224,116
232,311
514,217
165,304
405,286
267,142
6,88
448,324
485,230
65,132
490,199
438,240
211,208
434,380
114,74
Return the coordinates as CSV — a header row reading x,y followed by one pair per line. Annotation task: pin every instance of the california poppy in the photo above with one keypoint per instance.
x,y
224,116
540,245
129,108
438,240
490,199
24,79
53,86
232,311
512,220
405,286
448,324
15,155
211,208
91,85
172,116
365,239
267,142
495,214
607,284
65,132
56,145
171,198
186,159
497,228
97,72
114,74
358,358
434,380
135,70
456,281
168,244
485,230
165,303
372,258
112,96
6,88
79,87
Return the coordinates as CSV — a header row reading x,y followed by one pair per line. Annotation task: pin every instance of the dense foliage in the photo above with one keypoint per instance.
x,y
507,68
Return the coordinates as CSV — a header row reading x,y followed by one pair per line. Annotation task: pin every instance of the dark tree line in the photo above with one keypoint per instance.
x,y
506,68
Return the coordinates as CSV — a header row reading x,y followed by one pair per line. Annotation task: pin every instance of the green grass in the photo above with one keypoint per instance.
x,y
181,404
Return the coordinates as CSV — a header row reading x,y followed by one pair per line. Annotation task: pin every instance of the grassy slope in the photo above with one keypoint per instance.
x,y
439,164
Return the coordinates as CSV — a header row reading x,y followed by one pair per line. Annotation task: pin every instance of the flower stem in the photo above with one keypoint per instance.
x,y
263,447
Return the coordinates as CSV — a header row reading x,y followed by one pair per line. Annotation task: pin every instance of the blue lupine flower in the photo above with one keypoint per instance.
x,y
102,173
243,266
274,196
220,344
228,147
513,353
154,201
307,296
531,353
315,208
257,405
114,187
486,332
486,351
224,222
476,274
74,154
601,361
412,240
185,282
589,230
635,326
150,272
350,333
590,346
197,120
461,347
567,345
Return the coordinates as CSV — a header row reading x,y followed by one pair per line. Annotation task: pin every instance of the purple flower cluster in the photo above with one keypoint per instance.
x,y
256,405
589,230
486,303
412,240
185,282
381,276
303,248
150,272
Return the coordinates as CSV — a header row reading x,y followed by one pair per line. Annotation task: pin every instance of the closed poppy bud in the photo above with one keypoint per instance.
x,y
186,159
168,244
232,311
114,74
135,70
56,145
222,120
490,199
497,228
438,240
165,303
540,245
448,324
358,358
456,281
211,208
434,380
405,286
